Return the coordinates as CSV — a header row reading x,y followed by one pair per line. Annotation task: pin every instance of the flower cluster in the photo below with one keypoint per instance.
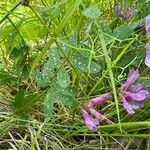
x,y
132,95
90,115
123,15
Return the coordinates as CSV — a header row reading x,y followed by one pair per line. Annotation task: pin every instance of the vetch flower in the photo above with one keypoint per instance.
x,y
90,121
133,95
90,115
133,75
147,58
99,116
147,27
147,24
99,100
122,14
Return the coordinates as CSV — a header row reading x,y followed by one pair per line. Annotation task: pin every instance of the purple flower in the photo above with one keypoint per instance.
x,y
147,59
147,25
90,115
133,95
99,116
99,100
122,14
90,121
92,118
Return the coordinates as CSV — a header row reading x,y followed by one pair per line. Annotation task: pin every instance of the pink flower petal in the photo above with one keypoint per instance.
x,y
139,96
133,75
147,24
147,59
99,100
99,115
136,88
127,106
89,121
130,13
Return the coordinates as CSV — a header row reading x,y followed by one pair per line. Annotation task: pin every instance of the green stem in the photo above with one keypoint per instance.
x,y
109,62
8,13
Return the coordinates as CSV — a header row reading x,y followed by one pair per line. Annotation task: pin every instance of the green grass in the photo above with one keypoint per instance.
x,y
54,56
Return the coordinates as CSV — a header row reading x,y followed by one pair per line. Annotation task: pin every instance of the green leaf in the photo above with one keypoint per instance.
x,y
145,81
52,63
65,95
19,99
33,29
48,70
37,76
70,91
107,33
19,51
68,101
48,105
92,12
54,57
23,102
132,57
63,78
122,32
82,63
6,78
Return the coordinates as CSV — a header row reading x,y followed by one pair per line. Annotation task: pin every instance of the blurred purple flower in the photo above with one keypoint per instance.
x,y
92,118
90,121
147,25
147,58
122,14
99,100
133,95
99,116
90,115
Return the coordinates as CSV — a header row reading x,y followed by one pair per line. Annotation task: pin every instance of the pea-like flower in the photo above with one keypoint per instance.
x,y
123,15
90,121
99,100
147,24
147,27
147,58
133,95
90,115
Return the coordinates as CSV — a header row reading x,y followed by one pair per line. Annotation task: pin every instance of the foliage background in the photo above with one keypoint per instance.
x,y
54,56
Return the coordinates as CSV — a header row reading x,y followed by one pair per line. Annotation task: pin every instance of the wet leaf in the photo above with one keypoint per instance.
x,y
122,32
82,63
54,58
37,76
92,12
63,78
48,105
48,70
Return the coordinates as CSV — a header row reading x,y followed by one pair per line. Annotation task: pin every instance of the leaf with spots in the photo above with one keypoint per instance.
x,y
63,78
68,100
122,32
133,57
71,91
37,76
92,12
52,63
48,70
82,63
48,104
64,95
54,58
